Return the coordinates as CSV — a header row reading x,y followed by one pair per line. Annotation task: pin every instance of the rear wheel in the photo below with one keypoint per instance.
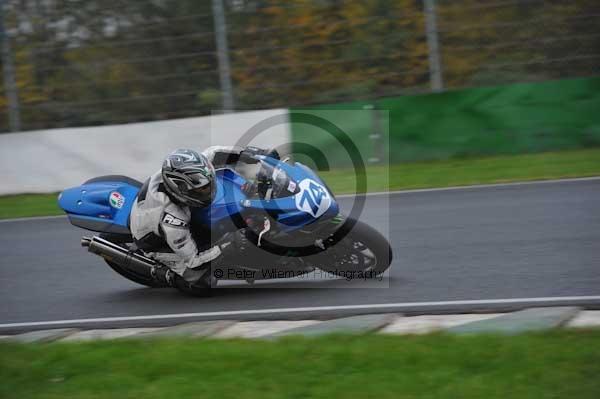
x,y
135,277
362,249
125,241
201,288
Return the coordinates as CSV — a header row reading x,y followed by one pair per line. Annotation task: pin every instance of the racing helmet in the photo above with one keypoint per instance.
x,y
189,178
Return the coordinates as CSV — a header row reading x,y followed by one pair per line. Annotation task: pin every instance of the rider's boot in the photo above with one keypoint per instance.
x,y
164,275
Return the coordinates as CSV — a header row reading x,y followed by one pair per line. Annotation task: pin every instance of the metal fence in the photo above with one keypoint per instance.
x,y
93,62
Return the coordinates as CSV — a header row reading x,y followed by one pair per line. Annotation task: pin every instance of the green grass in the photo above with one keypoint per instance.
x,y
463,172
560,364
550,165
25,205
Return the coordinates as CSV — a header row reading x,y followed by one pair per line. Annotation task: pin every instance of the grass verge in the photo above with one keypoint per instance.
x,y
559,364
26,205
464,172
551,165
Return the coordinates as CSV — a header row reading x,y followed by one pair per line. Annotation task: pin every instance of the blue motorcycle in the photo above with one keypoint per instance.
x,y
286,220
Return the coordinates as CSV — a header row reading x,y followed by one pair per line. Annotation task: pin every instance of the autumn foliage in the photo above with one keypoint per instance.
x,y
100,62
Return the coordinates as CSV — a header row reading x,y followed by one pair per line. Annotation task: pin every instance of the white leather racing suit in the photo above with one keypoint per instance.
x,y
162,228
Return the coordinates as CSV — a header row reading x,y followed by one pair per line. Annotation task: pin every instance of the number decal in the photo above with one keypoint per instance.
x,y
313,198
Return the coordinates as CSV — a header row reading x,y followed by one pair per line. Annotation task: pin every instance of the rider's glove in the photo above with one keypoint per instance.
x,y
235,240
247,155
273,153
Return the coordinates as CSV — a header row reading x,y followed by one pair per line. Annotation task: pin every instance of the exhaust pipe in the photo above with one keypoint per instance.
x,y
129,260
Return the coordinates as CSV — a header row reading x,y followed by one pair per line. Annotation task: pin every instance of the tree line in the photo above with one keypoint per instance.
x,y
93,62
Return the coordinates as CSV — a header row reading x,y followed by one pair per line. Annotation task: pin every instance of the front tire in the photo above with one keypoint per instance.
x,y
360,248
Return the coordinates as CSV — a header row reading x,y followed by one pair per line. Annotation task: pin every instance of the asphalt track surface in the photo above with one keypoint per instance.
x,y
471,249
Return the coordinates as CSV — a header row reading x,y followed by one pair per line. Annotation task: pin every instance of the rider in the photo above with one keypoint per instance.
x,y
160,217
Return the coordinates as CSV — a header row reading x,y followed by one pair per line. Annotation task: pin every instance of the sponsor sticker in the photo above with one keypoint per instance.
x,y
173,221
292,186
116,200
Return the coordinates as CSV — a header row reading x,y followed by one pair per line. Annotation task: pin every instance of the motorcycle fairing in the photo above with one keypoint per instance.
x,y
96,205
89,206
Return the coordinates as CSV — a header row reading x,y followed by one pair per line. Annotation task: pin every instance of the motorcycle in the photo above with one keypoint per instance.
x,y
286,221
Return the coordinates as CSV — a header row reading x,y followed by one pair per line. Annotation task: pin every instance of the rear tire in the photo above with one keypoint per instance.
x,y
135,277
124,241
201,288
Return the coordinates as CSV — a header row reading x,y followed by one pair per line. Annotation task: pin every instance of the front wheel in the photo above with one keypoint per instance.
x,y
361,248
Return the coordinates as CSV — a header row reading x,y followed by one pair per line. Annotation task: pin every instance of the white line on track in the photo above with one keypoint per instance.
x,y
33,218
476,186
419,190
390,306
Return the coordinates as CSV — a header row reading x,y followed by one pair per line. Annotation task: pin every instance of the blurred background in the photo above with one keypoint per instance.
x,y
95,62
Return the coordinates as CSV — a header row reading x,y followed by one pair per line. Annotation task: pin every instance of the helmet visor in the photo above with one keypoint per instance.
x,y
201,191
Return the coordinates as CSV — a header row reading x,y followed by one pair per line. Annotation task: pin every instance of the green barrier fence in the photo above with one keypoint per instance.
x,y
511,119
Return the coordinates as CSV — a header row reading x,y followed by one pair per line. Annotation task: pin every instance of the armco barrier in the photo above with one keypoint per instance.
x,y
50,160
